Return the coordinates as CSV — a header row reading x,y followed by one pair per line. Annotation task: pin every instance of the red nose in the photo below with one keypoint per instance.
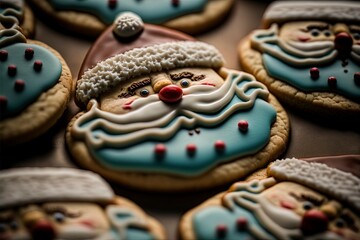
x,y
43,230
314,221
171,94
343,43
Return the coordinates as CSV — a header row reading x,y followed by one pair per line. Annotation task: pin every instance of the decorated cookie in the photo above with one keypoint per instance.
x,y
92,17
308,55
35,85
17,10
64,203
160,113
296,200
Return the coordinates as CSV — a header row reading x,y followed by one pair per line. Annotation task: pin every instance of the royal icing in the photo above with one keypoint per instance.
x,y
159,11
155,137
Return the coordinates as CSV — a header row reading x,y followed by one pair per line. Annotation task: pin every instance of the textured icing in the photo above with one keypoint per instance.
x,y
152,11
215,113
127,24
141,61
291,62
36,82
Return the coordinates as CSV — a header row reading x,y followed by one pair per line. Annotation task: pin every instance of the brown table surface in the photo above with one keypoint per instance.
x,y
309,137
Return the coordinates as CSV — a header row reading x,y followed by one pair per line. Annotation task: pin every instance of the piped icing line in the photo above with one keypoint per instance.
x,y
32,185
12,33
140,126
265,41
341,185
142,61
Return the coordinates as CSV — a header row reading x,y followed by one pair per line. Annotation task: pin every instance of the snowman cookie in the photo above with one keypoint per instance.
x,y
92,17
308,55
295,200
17,10
35,85
64,203
160,113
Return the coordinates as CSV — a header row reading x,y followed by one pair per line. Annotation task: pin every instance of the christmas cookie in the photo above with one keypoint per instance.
x,y
17,10
35,85
92,17
296,200
160,113
64,203
308,55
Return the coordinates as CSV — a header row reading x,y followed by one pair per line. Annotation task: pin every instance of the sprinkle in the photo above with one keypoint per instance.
x,y
11,70
314,73
38,65
29,53
112,4
332,81
243,125
3,55
357,78
19,85
241,223
160,149
221,230
219,145
191,148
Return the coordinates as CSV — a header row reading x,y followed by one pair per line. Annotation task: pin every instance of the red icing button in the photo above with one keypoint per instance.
x,y
38,65
314,221
221,230
3,55
357,78
314,73
332,82
3,101
171,94
243,125
160,149
43,229
112,4
12,70
175,3
29,53
241,223
191,148
19,85
220,145
343,43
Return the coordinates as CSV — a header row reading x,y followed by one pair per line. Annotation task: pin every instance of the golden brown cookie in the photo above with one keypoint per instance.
x,y
308,56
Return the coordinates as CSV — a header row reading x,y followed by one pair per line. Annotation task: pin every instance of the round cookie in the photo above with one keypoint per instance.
x,y
17,9
90,18
293,199
308,55
64,203
35,86
163,115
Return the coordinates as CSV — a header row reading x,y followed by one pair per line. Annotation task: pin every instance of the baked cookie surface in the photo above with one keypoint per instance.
x,y
91,17
291,199
308,56
163,115
64,203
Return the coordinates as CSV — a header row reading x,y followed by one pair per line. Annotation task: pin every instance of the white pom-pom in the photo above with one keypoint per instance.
x,y
128,24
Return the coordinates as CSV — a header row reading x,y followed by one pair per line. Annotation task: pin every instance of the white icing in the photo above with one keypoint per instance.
x,y
311,10
338,184
128,24
150,116
31,185
141,61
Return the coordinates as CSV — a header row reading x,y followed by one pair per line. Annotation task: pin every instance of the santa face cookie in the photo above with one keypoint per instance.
x,y
297,200
91,17
164,116
59,203
35,85
308,55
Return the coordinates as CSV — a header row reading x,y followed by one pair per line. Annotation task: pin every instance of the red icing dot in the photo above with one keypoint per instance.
x,y
112,3
29,53
3,101
221,230
191,148
38,65
332,81
19,85
3,55
314,73
175,3
43,229
314,221
171,94
12,70
241,223
243,125
357,78
220,145
160,149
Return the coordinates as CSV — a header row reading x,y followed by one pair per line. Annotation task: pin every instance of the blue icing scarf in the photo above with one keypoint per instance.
x,y
140,156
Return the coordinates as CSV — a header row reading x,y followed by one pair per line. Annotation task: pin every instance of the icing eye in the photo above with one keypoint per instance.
x,y
144,92
59,217
315,32
327,33
185,83
356,36
307,205
340,223
13,225
2,227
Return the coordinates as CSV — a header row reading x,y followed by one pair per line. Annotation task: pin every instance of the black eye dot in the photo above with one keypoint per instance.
x,y
307,205
327,33
59,217
357,36
315,33
14,225
2,227
340,223
144,92
184,83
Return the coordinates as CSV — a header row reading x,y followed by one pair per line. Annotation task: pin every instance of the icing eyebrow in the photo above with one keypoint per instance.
x,y
354,29
178,76
6,218
318,27
51,210
140,84
316,201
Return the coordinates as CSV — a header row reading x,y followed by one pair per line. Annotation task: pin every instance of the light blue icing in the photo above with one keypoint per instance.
x,y
141,156
151,11
35,82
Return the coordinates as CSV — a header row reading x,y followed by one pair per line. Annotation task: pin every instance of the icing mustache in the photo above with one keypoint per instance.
x,y
153,119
